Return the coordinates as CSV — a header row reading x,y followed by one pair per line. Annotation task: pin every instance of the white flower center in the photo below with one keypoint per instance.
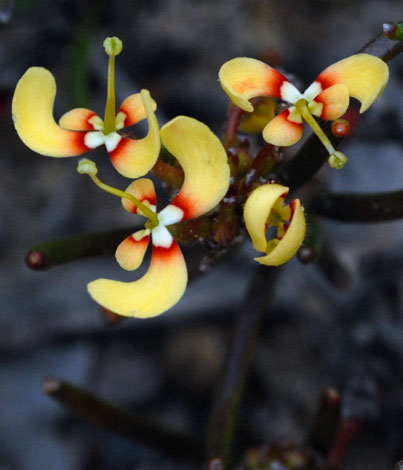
x,y
94,139
290,93
160,234
312,91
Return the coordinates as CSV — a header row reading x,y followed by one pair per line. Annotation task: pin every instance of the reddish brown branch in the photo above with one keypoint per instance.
x,y
140,428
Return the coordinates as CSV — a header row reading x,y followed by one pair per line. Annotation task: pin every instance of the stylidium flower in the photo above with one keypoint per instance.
x,y
80,129
265,208
204,162
361,76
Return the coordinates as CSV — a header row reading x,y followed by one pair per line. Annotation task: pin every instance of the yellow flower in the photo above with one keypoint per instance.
x,y
361,76
80,129
264,207
204,162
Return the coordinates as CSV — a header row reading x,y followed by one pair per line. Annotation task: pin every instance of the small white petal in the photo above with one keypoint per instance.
x,y
312,91
112,140
161,236
94,139
170,215
290,93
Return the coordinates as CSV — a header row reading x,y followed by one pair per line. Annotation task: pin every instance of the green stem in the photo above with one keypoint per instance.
x,y
147,212
306,114
110,107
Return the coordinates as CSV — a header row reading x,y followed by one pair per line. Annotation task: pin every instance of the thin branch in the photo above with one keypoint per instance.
x,y
383,47
140,428
68,249
61,251
359,207
347,434
326,422
170,174
234,118
230,390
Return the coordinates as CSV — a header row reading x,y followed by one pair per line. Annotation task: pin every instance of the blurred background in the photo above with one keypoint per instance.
x,y
340,326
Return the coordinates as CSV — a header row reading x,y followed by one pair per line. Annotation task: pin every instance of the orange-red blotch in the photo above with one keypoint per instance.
x,y
77,142
87,126
274,83
326,81
185,202
120,150
166,254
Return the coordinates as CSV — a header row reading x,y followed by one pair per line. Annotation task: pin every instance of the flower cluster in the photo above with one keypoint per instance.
x,y
361,76
204,162
201,156
80,129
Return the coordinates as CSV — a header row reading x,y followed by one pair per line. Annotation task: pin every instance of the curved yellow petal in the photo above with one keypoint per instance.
x,y
157,291
143,190
244,78
255,122
334,100
130,252
290,242
79,119
365,76
32,111
204,162
281,131
134,158
257,209
133,110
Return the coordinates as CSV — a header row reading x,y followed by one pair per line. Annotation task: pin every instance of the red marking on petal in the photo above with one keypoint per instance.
x,y
78,142
293,205
275,83
284,115
115,154
125,112
166,254
87,125
287,224
185,203
326,82
149,198
272,85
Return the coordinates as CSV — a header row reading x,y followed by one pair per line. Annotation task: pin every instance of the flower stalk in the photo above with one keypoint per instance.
x,y
89,168
113,47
